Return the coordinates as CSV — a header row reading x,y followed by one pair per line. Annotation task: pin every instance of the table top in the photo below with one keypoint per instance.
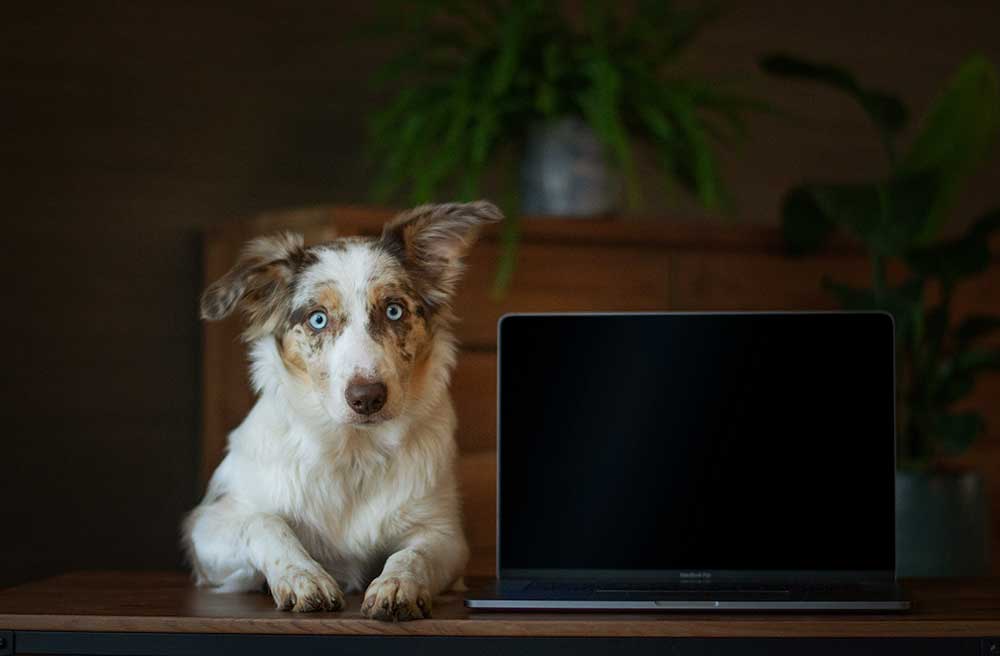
x,y
169,602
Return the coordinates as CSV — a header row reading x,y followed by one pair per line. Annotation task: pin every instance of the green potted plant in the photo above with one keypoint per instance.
x,y
900,219
562,93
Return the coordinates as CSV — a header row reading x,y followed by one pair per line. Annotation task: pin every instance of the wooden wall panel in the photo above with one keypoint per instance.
x,y
710,280
474,391
561,278
477,473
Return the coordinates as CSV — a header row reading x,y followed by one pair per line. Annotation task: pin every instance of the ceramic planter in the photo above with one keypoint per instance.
x,y
566,172
942,524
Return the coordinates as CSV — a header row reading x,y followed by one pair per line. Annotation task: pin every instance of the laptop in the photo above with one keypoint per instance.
x,y
702,461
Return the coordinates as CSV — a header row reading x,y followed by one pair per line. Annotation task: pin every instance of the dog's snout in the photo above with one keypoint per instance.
x,y
366,397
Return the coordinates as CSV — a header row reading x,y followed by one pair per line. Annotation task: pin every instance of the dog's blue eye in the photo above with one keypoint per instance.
x,y
394,311
318,320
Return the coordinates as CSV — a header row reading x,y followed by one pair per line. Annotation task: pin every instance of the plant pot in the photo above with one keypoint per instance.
x,y
942,524
566,172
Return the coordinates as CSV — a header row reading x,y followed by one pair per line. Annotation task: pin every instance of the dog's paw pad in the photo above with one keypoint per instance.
x,y
394,598
306,590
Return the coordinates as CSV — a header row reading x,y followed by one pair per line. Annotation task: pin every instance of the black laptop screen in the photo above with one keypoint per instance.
x,y
748,442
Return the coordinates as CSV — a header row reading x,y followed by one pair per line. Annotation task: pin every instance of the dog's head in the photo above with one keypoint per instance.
x,y
354,321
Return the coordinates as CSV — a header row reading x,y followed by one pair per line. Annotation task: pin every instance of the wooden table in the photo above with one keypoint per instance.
x,y
162,613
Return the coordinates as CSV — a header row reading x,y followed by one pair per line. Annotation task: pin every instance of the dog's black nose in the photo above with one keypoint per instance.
x,y
366,398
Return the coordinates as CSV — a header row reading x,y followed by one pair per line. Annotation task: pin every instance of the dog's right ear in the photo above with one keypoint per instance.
x,y
259,283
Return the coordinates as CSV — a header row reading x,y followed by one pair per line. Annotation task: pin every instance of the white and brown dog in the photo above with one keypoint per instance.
x,y
342,476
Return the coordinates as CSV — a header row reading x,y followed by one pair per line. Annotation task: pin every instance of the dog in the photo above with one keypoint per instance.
x,y
341,477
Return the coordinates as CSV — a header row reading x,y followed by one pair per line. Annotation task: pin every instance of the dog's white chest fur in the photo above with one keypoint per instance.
x,y
349,497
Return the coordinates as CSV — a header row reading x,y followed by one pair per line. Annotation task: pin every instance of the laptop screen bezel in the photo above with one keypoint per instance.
x,y
689,576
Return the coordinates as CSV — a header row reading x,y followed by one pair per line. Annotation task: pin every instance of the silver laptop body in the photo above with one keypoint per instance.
x,y
695,461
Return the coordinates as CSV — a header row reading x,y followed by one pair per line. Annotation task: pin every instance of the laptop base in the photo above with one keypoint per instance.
x,y
525,596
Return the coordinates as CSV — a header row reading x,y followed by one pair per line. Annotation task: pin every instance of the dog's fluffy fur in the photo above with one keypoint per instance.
x,y
314,496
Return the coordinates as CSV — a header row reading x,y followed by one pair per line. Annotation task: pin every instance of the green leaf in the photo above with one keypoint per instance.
x,y
947,387
484,131
529,59
955,433
910,198
975,361
953,378
394,165
887,217
705,169
511,43
858,208
510,240
886,111
983,227
601,105
936,326
805,226
975,327
723,112
664,136
958,134
657,123
954,259
950,260
546,99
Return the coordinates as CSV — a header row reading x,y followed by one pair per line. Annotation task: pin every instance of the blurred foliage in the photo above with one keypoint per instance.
x,y
900,218
470,78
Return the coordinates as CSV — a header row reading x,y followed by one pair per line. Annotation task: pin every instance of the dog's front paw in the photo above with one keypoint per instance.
x,y
306,589
396,598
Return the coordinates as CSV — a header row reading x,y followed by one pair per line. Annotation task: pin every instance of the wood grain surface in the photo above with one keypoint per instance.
x,y
168,602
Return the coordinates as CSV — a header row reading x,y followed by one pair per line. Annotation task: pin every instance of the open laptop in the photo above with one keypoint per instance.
x,y
695,461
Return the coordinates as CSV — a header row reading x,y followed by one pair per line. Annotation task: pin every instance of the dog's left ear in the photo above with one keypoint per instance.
x,y
431,241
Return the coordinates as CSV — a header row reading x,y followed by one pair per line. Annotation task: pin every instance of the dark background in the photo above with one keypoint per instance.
x,y
130,126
